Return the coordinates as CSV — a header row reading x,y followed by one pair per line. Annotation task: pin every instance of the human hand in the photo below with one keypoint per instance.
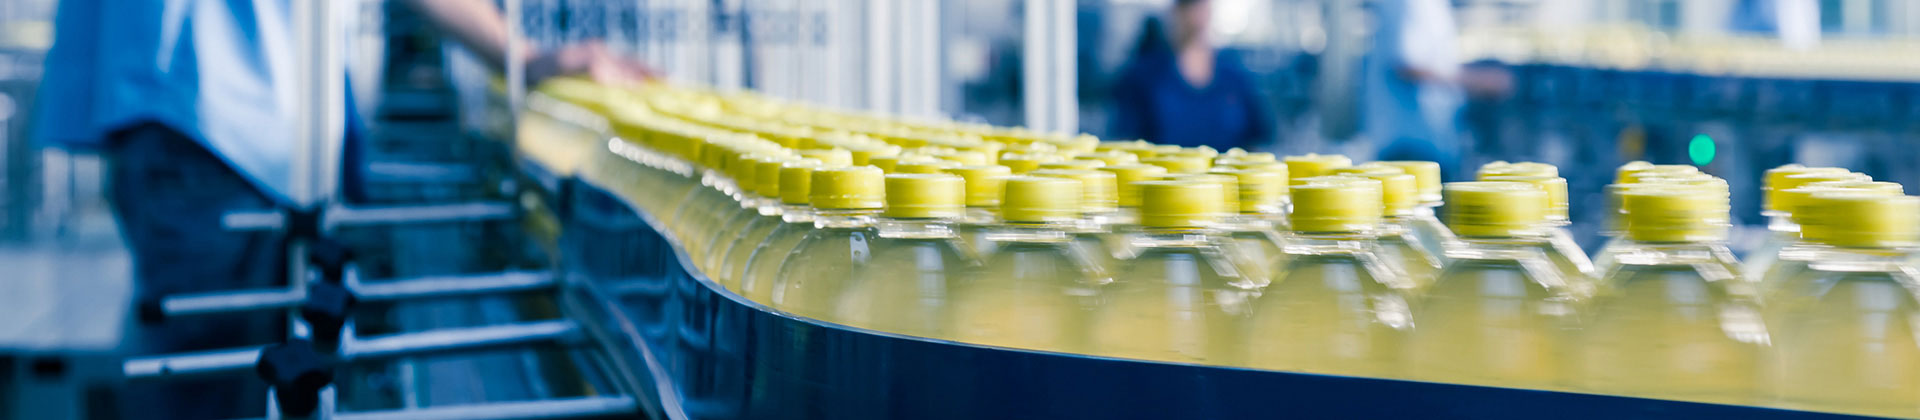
x,y
591,59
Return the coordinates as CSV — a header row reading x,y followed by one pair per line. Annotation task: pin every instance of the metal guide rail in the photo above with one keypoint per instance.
x,y
726,357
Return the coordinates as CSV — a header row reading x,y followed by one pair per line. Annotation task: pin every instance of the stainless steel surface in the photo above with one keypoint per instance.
x,y
454,285
216,362
231,301
457,339
339,216
558,408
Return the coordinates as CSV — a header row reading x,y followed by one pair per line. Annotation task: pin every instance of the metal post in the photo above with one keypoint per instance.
x,y
446,340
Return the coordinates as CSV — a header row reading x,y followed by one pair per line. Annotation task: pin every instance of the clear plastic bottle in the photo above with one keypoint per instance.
x,y
740,242
845,200
1256,240
755,273
1395,236
1337,307
1674,320
1422,221
1181,299
1501,311
1628,178
1778,207
750,199
1792,259
984,184
908,285
1126,220
1097,212
1850,341
1566,255
1036,290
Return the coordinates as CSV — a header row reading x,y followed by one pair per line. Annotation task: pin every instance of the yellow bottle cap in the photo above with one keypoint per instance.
x,y
1777,198
1098,188
849,188
1268,166
984,183
1366,169
1248,156
1076,164
1119,145
1143,153
1021,163
1854,219
1312,165
914,196
1626,171
864,155
1261,191
1109,158
1033,199
1495,209
1426,176
1518,169
1126,174
829,157
742,167
1335,204
1229,187
1792,200
1657,171
1398,193
766,175
924,167
1180,204
796,181
963,157
1180,164
1674,213
1166,149
1777,176
1554,187
989,151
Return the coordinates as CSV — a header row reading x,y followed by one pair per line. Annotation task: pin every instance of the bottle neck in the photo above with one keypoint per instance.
x,y
1632,252
1323,243
1781,222
1858,260
915,228
843,218
1031,232
1498,248
980,216
796,213
1246,222
1094,222
771,207
1161,237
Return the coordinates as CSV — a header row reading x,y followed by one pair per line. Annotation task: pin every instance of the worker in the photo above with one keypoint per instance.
x,y
1412,96
192,103
1187,92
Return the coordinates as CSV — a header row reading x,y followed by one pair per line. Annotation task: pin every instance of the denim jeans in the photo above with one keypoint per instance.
x,y
168,193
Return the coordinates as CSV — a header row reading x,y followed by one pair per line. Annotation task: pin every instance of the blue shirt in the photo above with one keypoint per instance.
x,y
219,71
1412,120
1153,101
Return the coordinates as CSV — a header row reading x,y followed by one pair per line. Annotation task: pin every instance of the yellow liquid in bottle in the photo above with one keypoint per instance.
x,y
1257,253
1033,293
723,238
757,282
1176,303
734,263
1566,256
1329,313
1417,265
820,268
1851,344
1666,331
1427,230
1493,322
906,288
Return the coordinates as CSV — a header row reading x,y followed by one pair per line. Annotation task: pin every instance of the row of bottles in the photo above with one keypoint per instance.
x,y
1304,263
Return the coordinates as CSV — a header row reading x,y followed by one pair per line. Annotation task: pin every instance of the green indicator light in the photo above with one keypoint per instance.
x,y
1701,150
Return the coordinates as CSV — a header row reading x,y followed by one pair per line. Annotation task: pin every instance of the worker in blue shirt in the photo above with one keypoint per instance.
x,y
1411,82
1185,91
192,102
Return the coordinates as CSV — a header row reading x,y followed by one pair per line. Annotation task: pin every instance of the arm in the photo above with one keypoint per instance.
x,y
481,28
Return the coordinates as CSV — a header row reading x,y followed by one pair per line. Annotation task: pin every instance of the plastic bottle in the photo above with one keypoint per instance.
x,y
984,184
1126,220
750,201
1036,290
1180,299
1337,306
1781,229
1784,274
1180,164
1097,209
845,201
1564,252
1395,235
1312,165
1673,320
1074,164
1422,221
907,285
1852,343
1500,313
1256,239
764,201
755,273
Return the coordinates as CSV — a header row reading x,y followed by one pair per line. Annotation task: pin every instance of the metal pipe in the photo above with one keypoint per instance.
x,y
456,339
559,408
193,364
231,301
419,213
458,285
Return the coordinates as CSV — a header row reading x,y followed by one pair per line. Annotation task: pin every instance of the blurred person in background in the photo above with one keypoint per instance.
x,y
1182,90
1411,82
192,102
